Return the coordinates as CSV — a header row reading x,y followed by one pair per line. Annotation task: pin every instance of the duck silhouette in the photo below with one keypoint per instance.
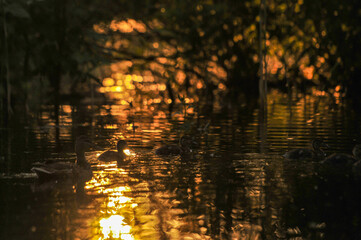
x,y
118,155
356,167
182,148
56,170
344,160
306,153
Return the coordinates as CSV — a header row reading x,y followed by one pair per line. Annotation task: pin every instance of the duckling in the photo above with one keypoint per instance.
x,y
183,147
118,155
51,170
305,153
344,160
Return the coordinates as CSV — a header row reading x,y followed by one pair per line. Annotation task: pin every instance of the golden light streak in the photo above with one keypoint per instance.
x,y
115,227
67,109
128,152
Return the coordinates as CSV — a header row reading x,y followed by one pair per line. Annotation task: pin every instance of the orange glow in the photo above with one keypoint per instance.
x,y
190,110
307,71
157,100
107,82
128,78
99,29
127,26
180,77
199,85
114,67
129,152
111,126
117,76
116,89
215,69
66,108
222,86
162,60
114,227
319,93
137,78
237,38
148,78
162,87
102,90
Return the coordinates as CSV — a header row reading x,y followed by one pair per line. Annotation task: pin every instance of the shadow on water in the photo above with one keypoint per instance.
x,y
235,184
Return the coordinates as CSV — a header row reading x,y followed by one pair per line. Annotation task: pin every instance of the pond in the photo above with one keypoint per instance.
x,y
235,184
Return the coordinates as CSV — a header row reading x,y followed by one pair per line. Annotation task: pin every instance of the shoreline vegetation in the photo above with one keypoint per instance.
x,y
57,52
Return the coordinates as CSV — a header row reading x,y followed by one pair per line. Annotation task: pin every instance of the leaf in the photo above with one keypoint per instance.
x,y
17,10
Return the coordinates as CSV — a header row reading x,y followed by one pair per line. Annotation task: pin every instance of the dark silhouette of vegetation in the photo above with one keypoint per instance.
x,y
50,48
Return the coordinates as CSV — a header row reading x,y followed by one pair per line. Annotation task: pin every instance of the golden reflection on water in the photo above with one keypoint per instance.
x,y
114,227
115,214
128,152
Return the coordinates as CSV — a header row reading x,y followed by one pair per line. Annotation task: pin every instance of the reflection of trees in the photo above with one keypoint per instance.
x,y
200,47
213,197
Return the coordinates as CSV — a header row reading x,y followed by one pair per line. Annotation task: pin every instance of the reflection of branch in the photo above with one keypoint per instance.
x,y
297,59
146,36
157,33
132,56
7,65
302,54
93,77
129,56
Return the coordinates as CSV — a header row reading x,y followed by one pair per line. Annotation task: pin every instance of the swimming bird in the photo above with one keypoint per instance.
x,y
305,153
344,160
56,170
356,167
182,148
118,155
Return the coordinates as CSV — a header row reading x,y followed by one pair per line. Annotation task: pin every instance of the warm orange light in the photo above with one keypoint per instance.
x,y
67,108
107,82
128,78
127,152
114,227
162,87
237,37
148,78
123,102
117,76
137,78
102,90
157,100
308,72
222,86
116,89
199,85
111,126
180,77
162,60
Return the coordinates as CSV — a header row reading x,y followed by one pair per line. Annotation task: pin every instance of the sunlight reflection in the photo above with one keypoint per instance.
x,y
115,220
115,227
128,152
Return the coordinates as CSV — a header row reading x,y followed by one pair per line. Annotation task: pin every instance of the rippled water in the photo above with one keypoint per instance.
x,y
236,185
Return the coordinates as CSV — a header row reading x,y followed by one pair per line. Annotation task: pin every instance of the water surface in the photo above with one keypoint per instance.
x,y
236,184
